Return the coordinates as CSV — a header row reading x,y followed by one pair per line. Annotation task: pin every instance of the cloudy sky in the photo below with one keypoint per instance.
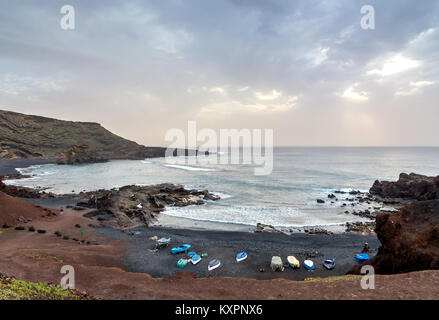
x,y
303,68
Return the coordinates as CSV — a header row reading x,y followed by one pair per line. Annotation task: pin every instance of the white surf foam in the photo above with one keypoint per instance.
x,y
188,168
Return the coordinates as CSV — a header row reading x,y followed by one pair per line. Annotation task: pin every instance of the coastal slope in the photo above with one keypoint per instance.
x,y
28,136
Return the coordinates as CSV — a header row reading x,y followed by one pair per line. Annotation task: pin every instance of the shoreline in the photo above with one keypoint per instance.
x,y
141,256
8,167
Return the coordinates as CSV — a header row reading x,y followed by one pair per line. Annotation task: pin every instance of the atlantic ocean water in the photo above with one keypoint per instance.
x,y
285,198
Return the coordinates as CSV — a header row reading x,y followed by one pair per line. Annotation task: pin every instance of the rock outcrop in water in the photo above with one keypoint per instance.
x,y
409,186
132,204
80,154
409,238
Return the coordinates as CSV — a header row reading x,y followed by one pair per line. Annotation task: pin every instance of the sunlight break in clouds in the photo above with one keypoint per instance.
x,y
414,88
351,94
273,95
394,65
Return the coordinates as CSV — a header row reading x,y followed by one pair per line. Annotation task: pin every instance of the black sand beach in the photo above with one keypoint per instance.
x,y
224,245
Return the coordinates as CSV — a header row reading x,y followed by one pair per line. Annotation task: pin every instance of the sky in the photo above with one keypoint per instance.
x,y
304,68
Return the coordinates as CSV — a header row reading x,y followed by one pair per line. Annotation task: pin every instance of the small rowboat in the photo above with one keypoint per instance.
x,y
191,254
195,259
182,263
163,242
180,249
277,264
241,256
214,264
293,262
329,264
362,257
309,265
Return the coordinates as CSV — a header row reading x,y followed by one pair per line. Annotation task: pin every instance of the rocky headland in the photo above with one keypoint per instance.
x,y
409,237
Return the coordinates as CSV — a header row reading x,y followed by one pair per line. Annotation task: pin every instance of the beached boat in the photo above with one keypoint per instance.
x,y
182,263
181,249
241,256
195,259
277,264
361,257
329,264
309,265
163,241
214,264
293,262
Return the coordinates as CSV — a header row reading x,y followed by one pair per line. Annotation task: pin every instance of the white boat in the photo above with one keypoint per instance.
x,y
214,264
293,262
308,264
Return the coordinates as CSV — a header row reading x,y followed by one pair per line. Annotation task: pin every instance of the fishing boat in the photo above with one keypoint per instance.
x,y
195,259
181,249
329,264
163,241
277,264
309,265
361,257
182,263
241,256
293,262
214,264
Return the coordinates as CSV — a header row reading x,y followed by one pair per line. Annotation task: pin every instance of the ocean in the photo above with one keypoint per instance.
x,y
285,198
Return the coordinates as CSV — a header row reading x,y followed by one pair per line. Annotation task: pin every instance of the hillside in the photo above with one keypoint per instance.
x,y
27,136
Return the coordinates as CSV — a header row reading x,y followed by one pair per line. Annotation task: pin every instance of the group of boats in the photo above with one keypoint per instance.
x,y
195,258
293,262
276,261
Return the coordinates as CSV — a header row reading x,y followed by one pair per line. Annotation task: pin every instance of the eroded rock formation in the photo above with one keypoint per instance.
x,y
409,238
409,186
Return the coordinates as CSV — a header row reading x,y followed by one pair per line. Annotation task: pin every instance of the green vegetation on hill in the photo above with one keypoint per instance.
x,y
26,136
13,289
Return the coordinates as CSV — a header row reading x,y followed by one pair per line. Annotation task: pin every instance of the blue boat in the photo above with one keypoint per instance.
x,y
241,256
181,249
329,264
195,259
362,257
191,254
309,265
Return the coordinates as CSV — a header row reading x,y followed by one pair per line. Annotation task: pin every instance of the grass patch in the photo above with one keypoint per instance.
x,y
13,289
333,279
43,256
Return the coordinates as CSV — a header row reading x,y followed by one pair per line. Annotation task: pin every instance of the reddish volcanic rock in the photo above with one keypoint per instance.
x,y
409,186
14,211
80,154
409,238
